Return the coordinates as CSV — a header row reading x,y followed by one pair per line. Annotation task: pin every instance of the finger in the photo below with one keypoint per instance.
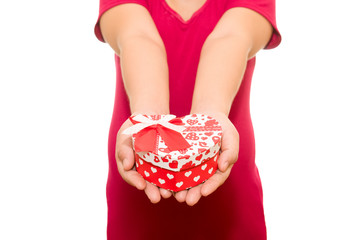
x,y
226,158
194,195
229,148
152,192
125,152
214,182
181,196
132,177
165,193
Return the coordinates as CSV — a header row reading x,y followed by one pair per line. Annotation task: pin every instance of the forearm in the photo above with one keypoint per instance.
x,y
145,75
132,34
221,67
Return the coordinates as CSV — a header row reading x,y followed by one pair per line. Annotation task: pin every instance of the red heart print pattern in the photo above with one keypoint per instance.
x,y
198,157
200,150
178,181
188,165
184,157
202,144
201,133
215,139
155,117
192,136
183,151
166,158
173,164
191,121
210,122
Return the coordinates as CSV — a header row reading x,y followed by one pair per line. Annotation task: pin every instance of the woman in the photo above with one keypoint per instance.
x,y
184,57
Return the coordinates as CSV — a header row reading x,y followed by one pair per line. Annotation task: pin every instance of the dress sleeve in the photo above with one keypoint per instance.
x,y
267,9
106,5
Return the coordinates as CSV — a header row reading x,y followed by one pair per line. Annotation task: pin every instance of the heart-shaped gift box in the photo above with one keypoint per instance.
x,y
175,153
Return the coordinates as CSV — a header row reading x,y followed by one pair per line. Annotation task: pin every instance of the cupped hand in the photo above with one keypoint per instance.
x,y
229,151
125,160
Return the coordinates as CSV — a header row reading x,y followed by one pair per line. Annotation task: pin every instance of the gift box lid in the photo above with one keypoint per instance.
x,y
201,132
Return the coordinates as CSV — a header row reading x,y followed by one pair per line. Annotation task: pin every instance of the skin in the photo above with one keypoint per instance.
x,y
132,34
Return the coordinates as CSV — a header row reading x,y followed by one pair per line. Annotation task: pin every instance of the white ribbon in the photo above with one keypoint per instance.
x,y
145,122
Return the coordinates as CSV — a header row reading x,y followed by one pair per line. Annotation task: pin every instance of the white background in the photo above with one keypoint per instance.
x,y
56,98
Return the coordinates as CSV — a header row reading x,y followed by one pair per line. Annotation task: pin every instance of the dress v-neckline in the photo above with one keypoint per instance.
x,y
179,17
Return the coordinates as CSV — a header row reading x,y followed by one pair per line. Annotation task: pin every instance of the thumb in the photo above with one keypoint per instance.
x,y
125,152
226,159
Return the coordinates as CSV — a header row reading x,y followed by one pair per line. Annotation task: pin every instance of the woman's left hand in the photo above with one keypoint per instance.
x,y
229,151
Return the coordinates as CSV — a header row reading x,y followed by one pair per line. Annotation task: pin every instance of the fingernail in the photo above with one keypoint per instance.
x,y
138,185
204,193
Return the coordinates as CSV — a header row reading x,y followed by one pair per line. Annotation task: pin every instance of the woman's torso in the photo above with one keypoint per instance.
x,y
235,209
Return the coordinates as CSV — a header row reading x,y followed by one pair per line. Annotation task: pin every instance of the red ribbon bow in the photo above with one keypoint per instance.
x,y
146,139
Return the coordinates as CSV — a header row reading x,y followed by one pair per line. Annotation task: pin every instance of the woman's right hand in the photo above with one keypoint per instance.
x,y
125,159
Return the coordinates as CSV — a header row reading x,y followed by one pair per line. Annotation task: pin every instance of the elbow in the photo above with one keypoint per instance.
x,y
239,43
145,39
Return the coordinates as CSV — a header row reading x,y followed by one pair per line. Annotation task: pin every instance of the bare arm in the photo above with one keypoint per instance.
x,y
131,33
237,37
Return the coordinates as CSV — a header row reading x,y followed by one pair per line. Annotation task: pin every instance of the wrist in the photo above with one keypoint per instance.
x,y
149,103
202,103
218,115
212,110
150,110
150,107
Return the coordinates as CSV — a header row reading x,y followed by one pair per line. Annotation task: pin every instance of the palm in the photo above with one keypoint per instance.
x,y
228,156
125,160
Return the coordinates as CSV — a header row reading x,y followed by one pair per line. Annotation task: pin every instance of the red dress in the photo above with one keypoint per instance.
x,y
233,211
